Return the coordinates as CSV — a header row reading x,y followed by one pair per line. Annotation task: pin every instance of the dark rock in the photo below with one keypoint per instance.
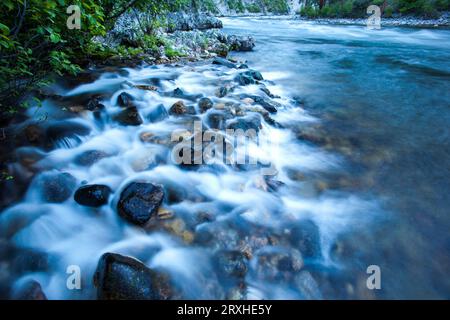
x,y
95,105
275,264
34,134
251,122
268,93
179,108
66,129
178,93
222,92
305,237
56,187
125,100
90,157
216,119
28,260
129,117
139,201
205,104
224,62
231,264
30,290
159,113
93,195
249,77
124,278
240,43
269,105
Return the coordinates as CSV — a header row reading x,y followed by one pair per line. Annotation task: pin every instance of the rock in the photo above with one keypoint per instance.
x,y
129,117
34,134
221,92
186,22
94,195
179,108
249,77
269,105
95,105
56,187
251,122
276,264
178,93
224,62
159,113
30,260
305,237
268,93
124,278
240,43
139,201
216,119
230,264
30,290
205,104
66,129
88,158
220,49
125,100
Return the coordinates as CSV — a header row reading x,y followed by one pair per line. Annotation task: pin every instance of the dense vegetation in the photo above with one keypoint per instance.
x,y
35,40
258,6
357,8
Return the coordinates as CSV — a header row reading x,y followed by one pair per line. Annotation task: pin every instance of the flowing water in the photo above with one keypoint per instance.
x,y
362,149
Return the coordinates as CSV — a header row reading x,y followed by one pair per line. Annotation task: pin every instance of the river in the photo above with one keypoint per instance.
x,y
360,144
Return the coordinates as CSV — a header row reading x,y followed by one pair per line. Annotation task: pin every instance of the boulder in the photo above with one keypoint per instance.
x,y
55,187
139,201
249,77
186,22
205,104
129,117
251,122
120,277
179,108
241,43
224,62
30,290
94,195
94,104
125,100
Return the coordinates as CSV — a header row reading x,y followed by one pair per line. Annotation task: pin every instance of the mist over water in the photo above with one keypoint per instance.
x,y
362,152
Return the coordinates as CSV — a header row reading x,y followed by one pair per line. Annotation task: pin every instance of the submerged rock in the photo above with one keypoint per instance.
x,y
94,195
249,77
63,129
305,236
30,290
56,187
276,264
129,117
230,263
251,122
90,157
94,104
139,201
124,278
159,113
178,108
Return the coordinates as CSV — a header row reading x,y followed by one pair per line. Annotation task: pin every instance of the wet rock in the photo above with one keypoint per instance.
x,y
220,49
269,105
178,108
251,122
88,158
230,264
55,186
240,43
205,104
124,278
224,62
187,22
139,201
178,93
125,100
277,264
222,92
94,195
216,119
34,134
30,290
94,104
268,93
305,237
159,113
249,77
28,260
66,129
129,117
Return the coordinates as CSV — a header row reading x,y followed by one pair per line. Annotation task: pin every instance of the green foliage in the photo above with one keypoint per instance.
x,y
276,6
236,5
253,8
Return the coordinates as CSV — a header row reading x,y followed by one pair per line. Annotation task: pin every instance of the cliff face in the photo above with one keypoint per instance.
x,y
255,7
